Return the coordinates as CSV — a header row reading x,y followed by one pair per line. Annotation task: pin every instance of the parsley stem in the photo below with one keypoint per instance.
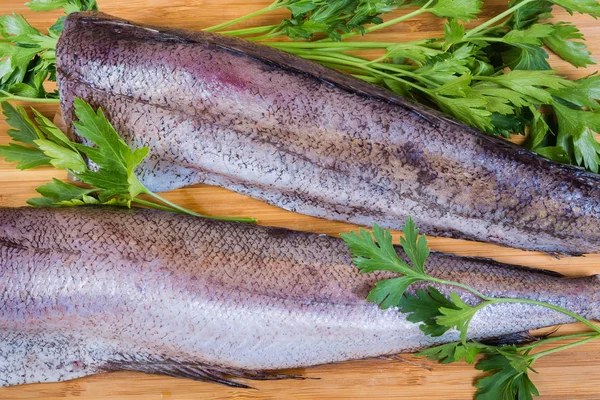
x,y
345,68
484,38
366,78
249,31
182,210
343,61
557,338
363,64
564,347
374,68
274,6
328,45
407,73
151,204
6,96
493,300
462,286
547,305
497,18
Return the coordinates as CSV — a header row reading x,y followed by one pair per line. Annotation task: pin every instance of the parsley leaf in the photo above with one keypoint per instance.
x,y
453,33
454,352
25,132
506,382
115,160
377,253
526,57
575,131
444,68
388,293
70,6
61,157
590,7
531,35
470,110
555,153
23,129
414,246
585,93
416,52
15,63
464,10
538,129
575,52
529,14
424,307
46,5
505,124
26,157
587,149
56,192
52,132
457,316
16,29
531,85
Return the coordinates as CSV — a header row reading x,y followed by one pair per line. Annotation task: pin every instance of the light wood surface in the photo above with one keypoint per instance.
x,y
572,374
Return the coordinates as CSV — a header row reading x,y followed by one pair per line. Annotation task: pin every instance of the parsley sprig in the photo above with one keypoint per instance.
x,y
112,180
494,76
436,314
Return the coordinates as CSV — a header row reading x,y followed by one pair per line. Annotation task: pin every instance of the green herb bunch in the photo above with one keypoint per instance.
x,y
495,77
436,314
28,56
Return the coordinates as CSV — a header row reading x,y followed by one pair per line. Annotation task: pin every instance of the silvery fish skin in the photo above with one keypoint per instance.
x,y
87,290
261,122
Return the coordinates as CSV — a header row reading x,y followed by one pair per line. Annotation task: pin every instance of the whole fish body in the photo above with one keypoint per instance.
x,y
270,125
84,291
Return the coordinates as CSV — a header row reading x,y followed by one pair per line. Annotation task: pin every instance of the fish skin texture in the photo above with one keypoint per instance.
x,y
230,113
87,290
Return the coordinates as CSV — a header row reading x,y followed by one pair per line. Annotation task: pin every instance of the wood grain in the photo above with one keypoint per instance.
x,y
573,374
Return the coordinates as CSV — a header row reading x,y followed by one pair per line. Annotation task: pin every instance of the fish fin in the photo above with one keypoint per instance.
x,y
398,357
515,338
193,370
27,357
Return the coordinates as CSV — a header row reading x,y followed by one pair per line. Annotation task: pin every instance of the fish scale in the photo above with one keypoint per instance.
x,y
223,111
88,290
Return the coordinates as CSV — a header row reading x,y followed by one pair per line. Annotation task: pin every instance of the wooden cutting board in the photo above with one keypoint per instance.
x,y
571,374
